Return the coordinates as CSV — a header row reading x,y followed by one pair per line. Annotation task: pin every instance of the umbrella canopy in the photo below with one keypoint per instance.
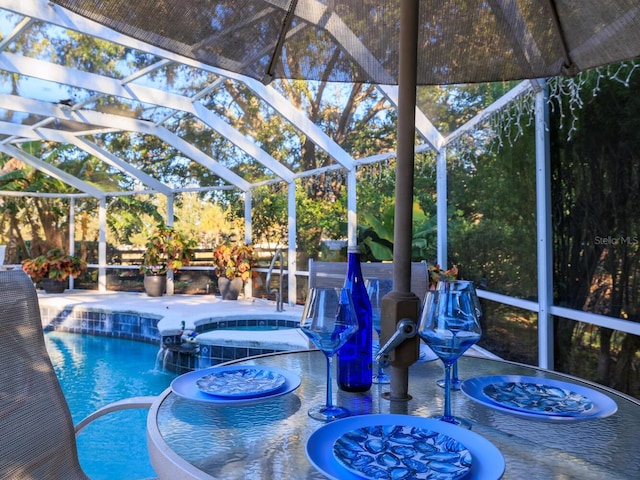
x,y
459,41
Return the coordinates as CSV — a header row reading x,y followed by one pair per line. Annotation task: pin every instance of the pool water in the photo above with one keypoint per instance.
x,y
95,371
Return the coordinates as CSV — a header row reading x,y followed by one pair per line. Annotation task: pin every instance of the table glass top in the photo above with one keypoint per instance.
x,y
267,440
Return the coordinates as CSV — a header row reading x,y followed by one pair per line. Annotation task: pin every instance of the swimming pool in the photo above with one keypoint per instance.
x,y
97,370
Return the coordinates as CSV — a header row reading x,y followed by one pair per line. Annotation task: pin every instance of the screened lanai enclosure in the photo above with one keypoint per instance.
x,y
278,108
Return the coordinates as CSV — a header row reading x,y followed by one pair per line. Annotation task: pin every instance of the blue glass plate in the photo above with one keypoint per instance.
x,y
539,398
185,386
240,382
402,451
486,460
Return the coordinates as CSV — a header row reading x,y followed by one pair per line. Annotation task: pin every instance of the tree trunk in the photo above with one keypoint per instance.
x,y
604,357
625,373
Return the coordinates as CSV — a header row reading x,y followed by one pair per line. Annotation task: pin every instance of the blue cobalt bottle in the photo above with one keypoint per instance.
x,y
355,357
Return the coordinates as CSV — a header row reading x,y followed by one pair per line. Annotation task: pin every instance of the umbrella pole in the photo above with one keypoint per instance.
x,y
401,303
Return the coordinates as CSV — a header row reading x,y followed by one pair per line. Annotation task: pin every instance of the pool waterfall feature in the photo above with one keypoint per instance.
x,y
218,340
188,334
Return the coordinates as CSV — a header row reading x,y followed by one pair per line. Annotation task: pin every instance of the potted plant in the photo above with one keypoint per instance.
x,y
53,268
233,265
166,249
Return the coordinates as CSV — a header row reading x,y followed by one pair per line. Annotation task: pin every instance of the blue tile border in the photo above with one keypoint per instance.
x,y
213,323
126,325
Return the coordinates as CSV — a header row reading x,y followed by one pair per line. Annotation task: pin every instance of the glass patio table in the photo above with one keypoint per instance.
x,y
189,439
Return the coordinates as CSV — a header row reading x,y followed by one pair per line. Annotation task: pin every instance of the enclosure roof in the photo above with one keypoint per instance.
x,y
70,102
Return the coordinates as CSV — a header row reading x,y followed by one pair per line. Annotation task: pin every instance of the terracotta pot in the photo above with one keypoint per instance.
x,y
51,285
230,289
155,285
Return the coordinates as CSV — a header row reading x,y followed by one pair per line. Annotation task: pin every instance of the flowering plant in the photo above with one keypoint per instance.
x,y
436,274
233,261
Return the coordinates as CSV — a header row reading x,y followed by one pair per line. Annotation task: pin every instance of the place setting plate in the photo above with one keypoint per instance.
x,y
401,446
539,398
235,385
241,382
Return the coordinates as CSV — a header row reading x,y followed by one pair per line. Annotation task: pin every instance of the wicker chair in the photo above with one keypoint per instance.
x,y
37,436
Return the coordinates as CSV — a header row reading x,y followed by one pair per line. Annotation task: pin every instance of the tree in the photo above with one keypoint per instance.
x,y
596,196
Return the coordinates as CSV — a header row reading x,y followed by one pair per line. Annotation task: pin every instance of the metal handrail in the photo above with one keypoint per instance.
x,y
278,292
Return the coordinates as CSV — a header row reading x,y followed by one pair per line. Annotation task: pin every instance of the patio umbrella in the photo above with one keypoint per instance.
x,y
459,41
394,42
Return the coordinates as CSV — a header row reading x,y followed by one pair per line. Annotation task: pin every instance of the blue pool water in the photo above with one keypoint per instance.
x,y
95,371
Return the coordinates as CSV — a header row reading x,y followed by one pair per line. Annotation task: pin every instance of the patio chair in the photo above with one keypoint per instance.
x,y
332,274
37,436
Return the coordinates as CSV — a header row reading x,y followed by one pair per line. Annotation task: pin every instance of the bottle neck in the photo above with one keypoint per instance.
x,y
353,265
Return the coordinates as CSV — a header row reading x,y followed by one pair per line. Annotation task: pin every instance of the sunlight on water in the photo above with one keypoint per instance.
x,y
95,371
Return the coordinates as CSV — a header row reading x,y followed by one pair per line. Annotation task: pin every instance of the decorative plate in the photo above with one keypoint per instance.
x,y
463,452
241,382
402,451
185,386
540,398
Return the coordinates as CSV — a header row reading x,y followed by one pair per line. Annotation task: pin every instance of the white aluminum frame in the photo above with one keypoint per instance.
x,y
41,10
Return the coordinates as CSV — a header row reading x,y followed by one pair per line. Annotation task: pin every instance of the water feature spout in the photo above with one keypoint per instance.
x,y
163,358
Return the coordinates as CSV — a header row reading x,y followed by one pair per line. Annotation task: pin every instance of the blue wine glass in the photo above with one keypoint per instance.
x,y
376,289
449,325
460,285
329,319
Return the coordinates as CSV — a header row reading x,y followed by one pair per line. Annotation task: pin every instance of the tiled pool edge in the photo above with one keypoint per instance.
x,y
119,324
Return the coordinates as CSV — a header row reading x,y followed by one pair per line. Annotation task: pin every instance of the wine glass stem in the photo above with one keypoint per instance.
x,y
329,401
447,391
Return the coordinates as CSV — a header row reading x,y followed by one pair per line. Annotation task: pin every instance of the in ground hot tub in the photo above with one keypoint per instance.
x,y
231,339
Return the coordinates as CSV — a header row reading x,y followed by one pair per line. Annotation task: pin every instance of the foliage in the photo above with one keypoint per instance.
x,y
318,220
40,219
233,261
125,216
492,222
449,107
55,265
269,214
166,249
595,193
200,218
376,230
